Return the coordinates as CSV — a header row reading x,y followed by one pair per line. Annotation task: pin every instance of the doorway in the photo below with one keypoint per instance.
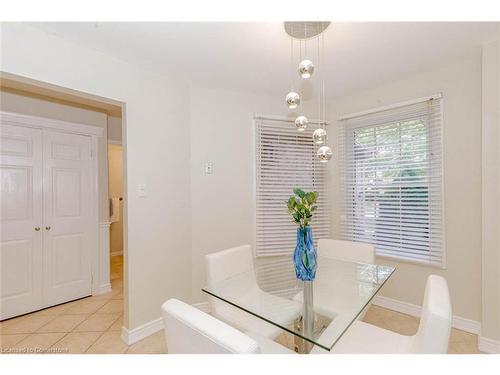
x,y
102,315
116,202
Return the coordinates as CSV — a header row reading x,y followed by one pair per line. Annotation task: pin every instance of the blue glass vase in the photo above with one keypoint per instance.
x,y
304,256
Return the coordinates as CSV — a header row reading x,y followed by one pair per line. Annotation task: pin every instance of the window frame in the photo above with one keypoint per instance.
x,y
347,132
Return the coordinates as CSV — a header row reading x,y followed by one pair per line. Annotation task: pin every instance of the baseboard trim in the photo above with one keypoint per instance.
x,y
467,325
101,289
489,345
137,334
116,253
203,306
458,322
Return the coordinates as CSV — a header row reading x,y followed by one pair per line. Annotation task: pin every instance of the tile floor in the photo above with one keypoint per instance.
x,y
93,325
88,325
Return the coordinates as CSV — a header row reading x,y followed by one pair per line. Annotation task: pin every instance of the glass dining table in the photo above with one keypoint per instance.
x,y
320,311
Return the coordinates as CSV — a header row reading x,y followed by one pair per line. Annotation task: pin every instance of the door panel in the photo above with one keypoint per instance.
x,y
68,258
21,212
67,216
66,183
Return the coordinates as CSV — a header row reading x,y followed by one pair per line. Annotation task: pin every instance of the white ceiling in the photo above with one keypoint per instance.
x,y
256,56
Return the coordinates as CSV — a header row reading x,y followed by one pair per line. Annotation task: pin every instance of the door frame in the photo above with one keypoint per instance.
x,y
100,255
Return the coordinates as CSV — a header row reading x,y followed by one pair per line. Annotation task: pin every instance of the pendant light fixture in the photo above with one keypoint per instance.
x,y
301,123
319,136
306,68
292,99
324,154
302,32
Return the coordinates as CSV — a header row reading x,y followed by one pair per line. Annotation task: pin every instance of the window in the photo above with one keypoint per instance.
x,y
392,180
285,158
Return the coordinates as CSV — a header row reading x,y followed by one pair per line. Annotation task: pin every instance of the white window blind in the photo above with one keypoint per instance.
x,y
285,159
392,180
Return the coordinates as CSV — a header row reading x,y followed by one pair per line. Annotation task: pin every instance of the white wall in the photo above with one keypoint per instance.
x,y
222,203
158,248
491,192
460,84
222,132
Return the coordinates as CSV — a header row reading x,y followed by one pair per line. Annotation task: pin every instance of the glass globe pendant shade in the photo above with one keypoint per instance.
x,y
324,154
292,100
306,68
301,123
319,136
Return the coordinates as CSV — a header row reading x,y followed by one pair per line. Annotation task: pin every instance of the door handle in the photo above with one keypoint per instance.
x,y
37,228
47,228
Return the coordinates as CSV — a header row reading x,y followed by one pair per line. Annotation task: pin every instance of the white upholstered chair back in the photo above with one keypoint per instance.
x,y
191,331
435,322
229,263
346,250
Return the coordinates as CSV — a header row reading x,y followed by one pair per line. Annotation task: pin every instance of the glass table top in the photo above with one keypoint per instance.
x,y
272,293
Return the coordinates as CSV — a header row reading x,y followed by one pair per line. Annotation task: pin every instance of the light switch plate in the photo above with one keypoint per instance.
x,y
209,167
141,190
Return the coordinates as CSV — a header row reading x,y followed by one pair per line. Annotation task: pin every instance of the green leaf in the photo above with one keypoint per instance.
x,y
310,197
301,206
299,192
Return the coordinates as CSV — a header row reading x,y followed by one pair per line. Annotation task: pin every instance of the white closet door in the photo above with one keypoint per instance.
x,y
21,215
67,224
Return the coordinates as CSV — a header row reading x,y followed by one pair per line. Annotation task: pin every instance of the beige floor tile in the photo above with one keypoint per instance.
x,y
463,348
462,336
117,283
63,323
97,323
101,297
39,342
55,310
7,341
86,306
460,342
118,296
108,343
154,344
25,324
287,340
113,306
117,325
392,320
76,342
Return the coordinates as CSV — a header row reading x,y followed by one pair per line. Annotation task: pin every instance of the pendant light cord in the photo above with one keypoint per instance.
x,y
323,76
305,40
319,92
291,62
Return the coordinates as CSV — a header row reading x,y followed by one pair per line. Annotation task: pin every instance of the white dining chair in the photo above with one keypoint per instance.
x,y
432,336
191,331
346,250
237,264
